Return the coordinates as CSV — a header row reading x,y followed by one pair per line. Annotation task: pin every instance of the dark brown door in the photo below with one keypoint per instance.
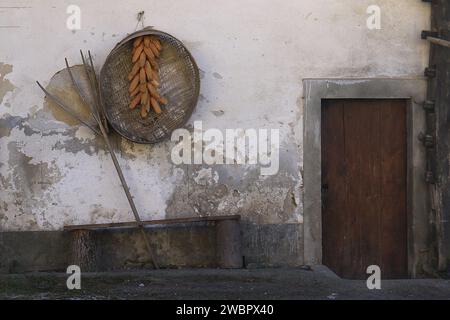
x,y
364,187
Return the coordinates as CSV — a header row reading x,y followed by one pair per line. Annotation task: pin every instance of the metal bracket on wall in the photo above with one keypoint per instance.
x,y
430,72
435,37
426,33
429,106
429,177
428,140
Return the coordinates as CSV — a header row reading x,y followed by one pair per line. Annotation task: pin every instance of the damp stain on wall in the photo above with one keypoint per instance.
x,y
5,85
27,185
224,190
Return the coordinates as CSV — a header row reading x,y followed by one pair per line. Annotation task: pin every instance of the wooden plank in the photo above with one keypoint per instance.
x,y
438,41
150,222
84,252
354,132
333,172
364,165
394,223
368,211
438,164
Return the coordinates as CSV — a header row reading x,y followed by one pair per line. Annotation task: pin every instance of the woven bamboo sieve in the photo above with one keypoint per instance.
x,y
180,84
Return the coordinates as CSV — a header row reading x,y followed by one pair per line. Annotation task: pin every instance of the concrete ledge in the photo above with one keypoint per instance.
x,y
272,245
176,246
33,251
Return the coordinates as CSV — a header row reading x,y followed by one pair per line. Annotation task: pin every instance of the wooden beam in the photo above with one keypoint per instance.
x,y
438,41
133,224
438,165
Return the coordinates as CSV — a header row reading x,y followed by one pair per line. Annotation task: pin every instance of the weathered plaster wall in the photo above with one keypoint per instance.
x,y
253,56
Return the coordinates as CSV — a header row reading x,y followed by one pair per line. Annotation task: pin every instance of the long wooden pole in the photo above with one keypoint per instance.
x,y
111,152
99,110
438,41
127,193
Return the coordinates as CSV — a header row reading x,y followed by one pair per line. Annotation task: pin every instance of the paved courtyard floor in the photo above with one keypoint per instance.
x,y
259,284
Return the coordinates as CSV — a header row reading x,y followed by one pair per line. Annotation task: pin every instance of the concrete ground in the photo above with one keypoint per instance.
x,y
258,284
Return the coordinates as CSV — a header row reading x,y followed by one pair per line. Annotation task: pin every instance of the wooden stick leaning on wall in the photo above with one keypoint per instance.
x,y
439,41
96,112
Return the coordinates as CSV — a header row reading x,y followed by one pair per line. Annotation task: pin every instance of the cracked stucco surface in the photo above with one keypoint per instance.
x,y
54,171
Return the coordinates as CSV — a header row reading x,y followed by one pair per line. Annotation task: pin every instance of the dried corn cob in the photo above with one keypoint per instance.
x,y
144,98
156,42
137,41
148,71
142,60
133,72
137,53
149,53
155,83
155,105
147,40
134,83
154,49
144,112
162,100
135,92
144,77
135,101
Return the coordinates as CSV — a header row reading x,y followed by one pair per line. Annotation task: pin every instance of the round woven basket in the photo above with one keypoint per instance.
x,y
180,84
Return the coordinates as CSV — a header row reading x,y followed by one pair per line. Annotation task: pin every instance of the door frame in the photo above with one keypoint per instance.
x,y
412,90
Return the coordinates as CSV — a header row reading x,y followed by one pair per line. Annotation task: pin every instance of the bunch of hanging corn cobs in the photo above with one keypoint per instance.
x,y
144,79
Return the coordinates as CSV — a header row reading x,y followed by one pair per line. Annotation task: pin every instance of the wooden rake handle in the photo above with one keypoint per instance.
x,y
96,114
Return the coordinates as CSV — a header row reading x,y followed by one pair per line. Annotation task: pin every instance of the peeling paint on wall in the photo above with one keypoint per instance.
x,y
225,190
26,187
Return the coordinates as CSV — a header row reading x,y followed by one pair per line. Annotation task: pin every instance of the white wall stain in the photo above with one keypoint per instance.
x,y
206,176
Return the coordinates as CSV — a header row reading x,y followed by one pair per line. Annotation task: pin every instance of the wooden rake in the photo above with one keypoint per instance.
x,y
97,113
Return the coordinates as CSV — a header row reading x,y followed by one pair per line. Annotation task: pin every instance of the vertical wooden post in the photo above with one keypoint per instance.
x,y
438,175
84,253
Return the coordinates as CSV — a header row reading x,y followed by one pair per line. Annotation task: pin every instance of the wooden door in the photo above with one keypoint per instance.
x,y
364,187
